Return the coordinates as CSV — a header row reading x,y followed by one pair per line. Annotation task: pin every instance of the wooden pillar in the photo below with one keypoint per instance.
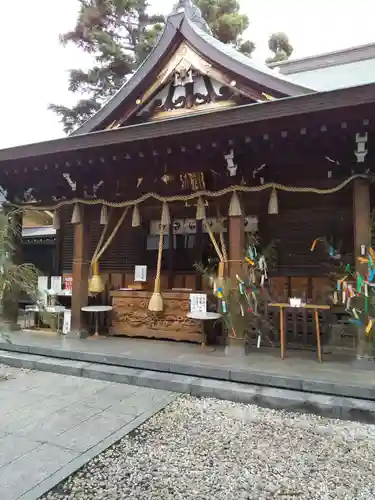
x,y
171,251
362,236
199,253
81,258
57,269
236,245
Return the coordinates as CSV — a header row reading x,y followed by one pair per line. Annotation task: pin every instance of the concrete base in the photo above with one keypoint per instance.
x,y
293,400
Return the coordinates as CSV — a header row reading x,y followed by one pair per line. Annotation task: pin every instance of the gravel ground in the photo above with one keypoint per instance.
x,y
205,449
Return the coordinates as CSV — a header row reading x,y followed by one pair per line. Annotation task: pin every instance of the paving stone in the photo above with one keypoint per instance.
x,y
166,381
19,360
13,447
139,403
46,429
20,475
87,434
105,397
108,373
251,377
201,371
65,366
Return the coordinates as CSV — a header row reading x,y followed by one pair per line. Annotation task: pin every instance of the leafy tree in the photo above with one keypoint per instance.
x,y
119,34
282,49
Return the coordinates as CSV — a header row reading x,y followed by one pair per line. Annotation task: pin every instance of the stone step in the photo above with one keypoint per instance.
x,y
240,375
293,400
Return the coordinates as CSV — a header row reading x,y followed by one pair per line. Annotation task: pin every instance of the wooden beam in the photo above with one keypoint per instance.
x,y
362,239
80,271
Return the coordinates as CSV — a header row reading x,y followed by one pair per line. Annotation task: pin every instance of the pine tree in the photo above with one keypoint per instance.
x,y
279,44
118,34
227,23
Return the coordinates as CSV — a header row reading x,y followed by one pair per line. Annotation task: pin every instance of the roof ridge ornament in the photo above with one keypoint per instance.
x,y
192,12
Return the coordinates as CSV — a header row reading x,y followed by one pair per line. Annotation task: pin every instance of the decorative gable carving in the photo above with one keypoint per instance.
x,y
189,83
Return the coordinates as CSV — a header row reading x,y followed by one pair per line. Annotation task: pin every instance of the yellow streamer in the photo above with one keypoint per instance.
x,y
369,327
314,245
362,260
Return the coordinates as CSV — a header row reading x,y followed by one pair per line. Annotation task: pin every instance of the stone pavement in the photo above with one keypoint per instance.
x,y
52,424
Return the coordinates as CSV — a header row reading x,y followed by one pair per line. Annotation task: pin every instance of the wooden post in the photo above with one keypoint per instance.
x,y
81,259
362,236
199,253
236,245
171,251
57,252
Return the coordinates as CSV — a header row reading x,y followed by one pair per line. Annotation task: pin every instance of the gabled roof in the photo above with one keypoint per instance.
x,y
185,24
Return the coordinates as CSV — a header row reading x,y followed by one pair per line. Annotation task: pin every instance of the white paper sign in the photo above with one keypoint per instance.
x,y
56,283
198,303
140,273
67,321
43,283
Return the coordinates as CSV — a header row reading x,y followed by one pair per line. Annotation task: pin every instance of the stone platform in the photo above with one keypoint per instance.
x,y
300,371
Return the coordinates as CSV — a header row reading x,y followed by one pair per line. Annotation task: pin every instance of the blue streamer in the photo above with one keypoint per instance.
x,y
356,322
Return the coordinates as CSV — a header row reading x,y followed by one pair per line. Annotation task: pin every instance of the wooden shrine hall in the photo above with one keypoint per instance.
x,y
196,126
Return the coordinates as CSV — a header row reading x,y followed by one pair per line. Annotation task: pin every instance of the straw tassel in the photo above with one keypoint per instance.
x,y
95,282
273,205
56,220
104,215
201,209
156,303
136,219
76,215
235,206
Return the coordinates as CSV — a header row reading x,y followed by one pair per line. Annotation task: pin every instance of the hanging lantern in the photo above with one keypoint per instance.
x,y
76,215
136,219
104,215
235,206
273,205
56,220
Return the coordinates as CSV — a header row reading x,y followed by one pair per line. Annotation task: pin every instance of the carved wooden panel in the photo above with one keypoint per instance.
x,y
131,317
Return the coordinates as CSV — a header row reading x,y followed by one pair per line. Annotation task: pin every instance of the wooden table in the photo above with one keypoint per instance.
x,y
316,308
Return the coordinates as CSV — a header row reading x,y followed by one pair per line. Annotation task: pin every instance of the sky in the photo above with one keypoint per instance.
x,y
35,67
